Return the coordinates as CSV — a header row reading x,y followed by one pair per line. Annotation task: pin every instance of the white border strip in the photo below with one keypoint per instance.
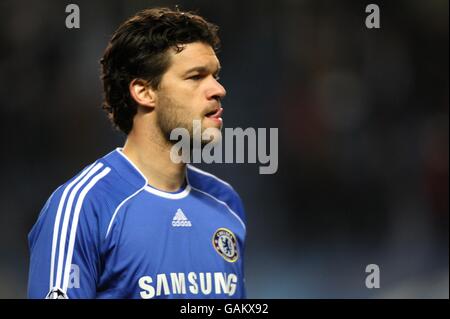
x,y
223,203
63,237
57,220
167,195
118,207
198,170
119,150
73,230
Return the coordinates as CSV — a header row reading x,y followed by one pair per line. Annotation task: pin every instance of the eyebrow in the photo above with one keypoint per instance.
x,y
202,69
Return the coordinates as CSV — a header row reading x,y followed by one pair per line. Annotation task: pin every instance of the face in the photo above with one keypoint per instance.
x,y
190,90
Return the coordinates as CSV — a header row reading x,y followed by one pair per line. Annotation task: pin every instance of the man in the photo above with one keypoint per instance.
x,y
135,224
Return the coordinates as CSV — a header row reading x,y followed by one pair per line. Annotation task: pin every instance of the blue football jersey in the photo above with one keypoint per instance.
x,y
107,233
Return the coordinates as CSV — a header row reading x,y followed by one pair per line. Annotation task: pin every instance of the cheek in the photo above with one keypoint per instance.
x,y
187,102
193,110
193,97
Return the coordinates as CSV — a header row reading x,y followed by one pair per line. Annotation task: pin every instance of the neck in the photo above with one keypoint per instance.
x,y
151,154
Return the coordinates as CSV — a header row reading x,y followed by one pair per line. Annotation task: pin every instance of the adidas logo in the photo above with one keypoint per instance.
x,y
180,219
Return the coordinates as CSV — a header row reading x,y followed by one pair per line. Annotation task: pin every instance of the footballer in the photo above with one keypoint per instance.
x,y
135,224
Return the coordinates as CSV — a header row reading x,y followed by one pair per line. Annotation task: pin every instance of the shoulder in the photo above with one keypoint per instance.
x,y
201,180
215,187
92,194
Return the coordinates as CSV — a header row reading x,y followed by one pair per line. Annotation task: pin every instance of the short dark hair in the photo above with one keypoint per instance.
x,y
138,49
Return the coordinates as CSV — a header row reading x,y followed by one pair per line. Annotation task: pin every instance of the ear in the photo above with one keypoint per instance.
x,y
142,93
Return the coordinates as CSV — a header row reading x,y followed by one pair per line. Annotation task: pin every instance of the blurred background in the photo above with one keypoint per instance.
x,y
363,128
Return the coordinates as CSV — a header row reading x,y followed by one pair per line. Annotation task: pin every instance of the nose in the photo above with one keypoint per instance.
x,y
216,91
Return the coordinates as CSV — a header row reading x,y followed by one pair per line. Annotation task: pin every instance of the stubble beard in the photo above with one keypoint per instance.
x,y
171,116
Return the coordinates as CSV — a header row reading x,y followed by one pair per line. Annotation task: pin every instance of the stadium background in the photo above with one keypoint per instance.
x,y
363,135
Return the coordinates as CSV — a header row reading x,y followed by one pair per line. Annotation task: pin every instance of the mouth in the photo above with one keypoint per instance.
x,y
215,114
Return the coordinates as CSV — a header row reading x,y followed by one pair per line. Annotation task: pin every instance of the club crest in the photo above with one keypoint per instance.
x,y
225,244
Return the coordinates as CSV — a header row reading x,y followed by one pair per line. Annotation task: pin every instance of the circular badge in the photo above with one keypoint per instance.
x,y
225,244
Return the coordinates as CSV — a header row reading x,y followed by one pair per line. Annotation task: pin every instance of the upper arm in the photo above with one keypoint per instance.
x,y
64,246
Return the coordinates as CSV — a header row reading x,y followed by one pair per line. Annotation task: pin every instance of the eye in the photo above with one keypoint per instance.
x,y
195,77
